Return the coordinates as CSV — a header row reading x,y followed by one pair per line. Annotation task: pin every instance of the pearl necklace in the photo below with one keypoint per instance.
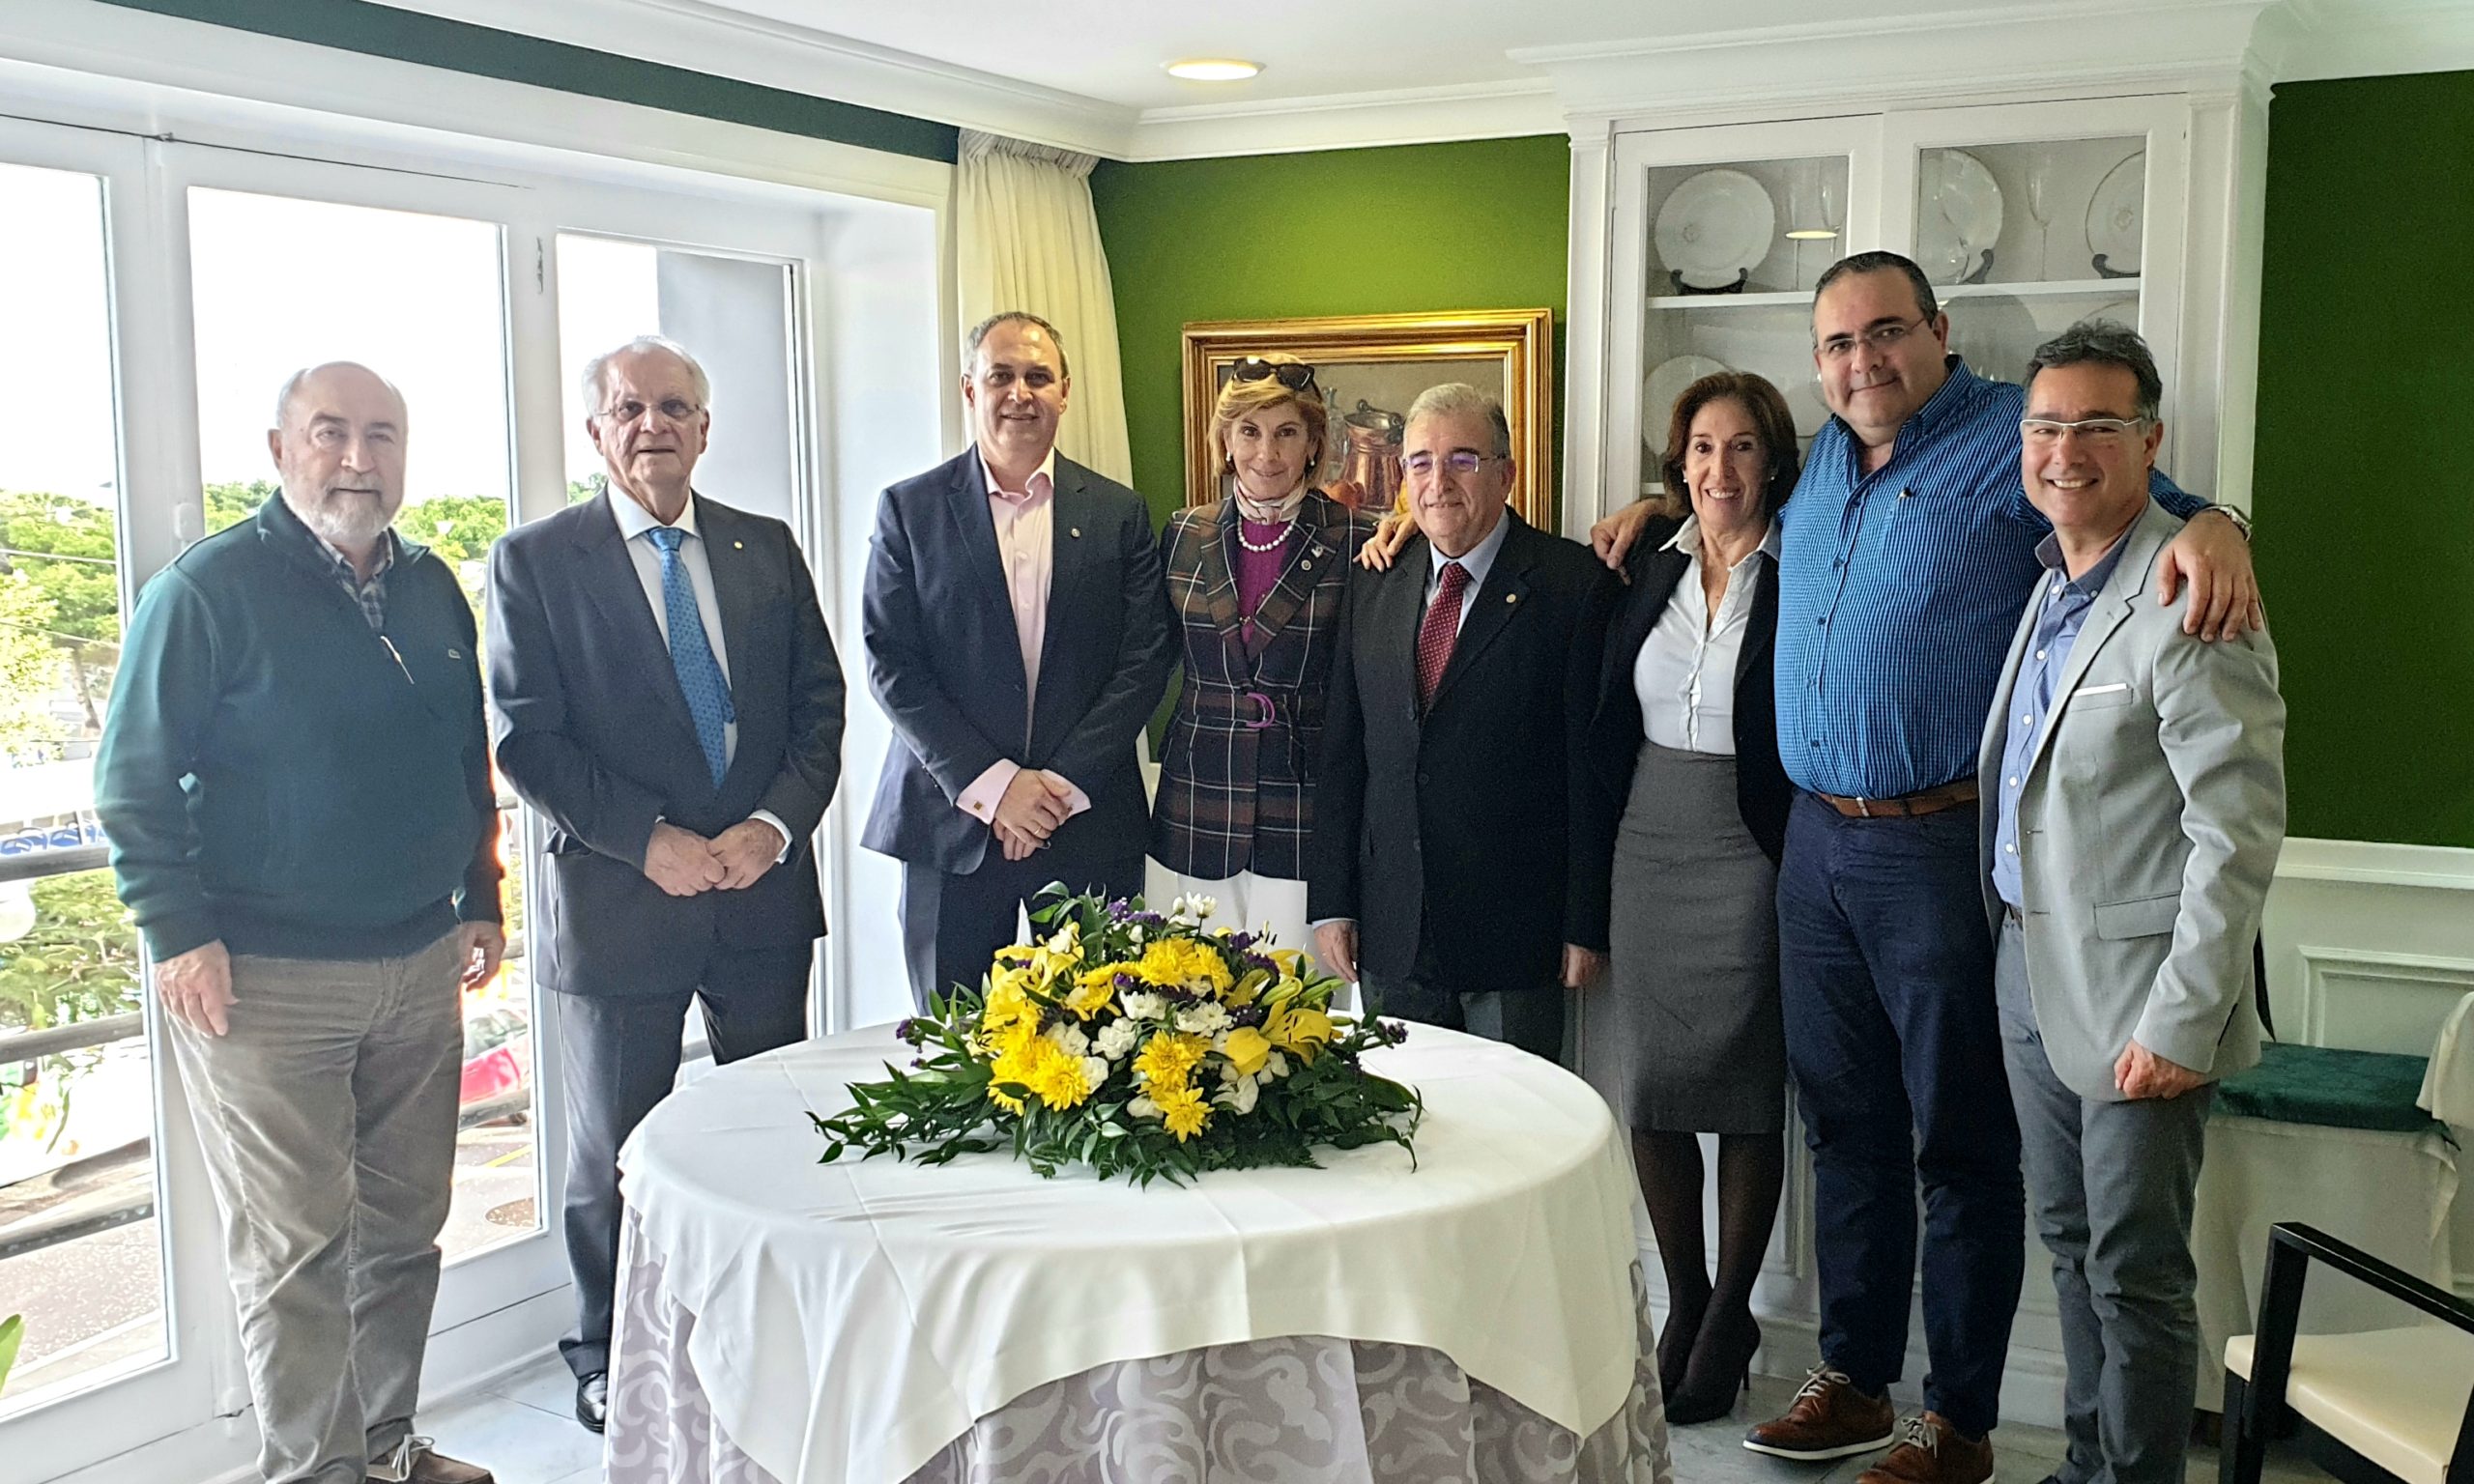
x,y
1286,527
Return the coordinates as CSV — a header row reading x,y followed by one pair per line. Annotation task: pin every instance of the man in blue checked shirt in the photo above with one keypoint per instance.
x,y
1905,557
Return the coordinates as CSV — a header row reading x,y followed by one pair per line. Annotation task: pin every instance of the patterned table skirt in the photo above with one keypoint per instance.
x,y
1306,1408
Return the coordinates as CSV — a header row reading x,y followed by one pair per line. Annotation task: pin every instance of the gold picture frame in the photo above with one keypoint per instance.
x,y
1370,362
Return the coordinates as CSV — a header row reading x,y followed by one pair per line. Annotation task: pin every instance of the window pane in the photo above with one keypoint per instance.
x,y
281,284
81,1254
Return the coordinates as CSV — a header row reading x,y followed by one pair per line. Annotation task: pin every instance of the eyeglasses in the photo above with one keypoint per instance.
x,y
1461,460
2100,432
1295,374
1877,338
672,410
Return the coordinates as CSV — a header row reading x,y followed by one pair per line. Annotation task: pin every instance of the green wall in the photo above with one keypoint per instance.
x,y
380,31
2365,489
1380,231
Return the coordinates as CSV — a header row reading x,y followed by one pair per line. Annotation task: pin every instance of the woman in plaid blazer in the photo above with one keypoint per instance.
x,y
1254,583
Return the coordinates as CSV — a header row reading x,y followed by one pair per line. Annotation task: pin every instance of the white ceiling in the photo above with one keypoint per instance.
x,y
1087,74
1112,51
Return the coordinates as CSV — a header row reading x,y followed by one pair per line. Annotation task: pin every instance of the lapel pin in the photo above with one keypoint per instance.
x,y
1512,597
739,546
1075,532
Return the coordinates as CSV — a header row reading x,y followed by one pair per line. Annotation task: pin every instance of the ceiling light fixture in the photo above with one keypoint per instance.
x,y
1214,69
1812,235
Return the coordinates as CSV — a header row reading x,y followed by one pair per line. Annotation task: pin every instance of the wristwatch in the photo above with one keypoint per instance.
x,y
2241,518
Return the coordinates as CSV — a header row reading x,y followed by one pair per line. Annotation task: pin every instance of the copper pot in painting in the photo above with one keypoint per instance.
x,y
1369,458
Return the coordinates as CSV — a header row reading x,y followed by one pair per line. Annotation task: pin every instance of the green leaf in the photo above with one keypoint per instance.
x,y
13,1332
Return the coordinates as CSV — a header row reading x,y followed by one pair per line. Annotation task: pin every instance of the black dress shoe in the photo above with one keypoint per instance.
x,y
592,1400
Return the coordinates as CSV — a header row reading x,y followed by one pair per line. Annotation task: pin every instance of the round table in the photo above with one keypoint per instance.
x,y
1480,1315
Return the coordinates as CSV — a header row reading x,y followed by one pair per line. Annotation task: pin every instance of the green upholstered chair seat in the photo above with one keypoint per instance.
x,y
2331,1087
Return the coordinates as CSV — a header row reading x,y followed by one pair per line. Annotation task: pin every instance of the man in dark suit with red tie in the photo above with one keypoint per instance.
x,y
1462,842
667,697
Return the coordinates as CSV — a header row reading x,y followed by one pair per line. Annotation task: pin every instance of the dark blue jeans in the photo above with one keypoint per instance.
x,y
1895,1047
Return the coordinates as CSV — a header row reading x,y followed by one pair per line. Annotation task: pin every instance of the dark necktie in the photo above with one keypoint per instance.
x,y
1440,631
691,655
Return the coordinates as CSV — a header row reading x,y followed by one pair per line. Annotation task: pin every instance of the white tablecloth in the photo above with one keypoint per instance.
x,y
853,1319
2387,1193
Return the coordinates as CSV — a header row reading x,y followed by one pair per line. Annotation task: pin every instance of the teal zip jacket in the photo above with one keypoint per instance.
x,y
276,774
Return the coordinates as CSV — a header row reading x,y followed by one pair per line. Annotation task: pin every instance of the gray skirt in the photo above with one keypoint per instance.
x,y
1691,1035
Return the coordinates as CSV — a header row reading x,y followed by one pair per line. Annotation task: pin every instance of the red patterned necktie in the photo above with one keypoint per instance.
x,y
1440,631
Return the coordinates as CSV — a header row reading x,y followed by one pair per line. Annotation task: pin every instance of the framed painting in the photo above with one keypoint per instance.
x,y
1370,368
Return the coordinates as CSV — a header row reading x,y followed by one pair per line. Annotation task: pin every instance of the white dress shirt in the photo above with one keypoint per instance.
x,y
1686,673
1025,522
634,521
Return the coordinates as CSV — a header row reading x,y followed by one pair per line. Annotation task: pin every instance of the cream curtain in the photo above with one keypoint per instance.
x,y
1027,238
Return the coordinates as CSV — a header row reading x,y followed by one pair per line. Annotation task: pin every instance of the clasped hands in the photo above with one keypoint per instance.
x,y
1035,803
684,863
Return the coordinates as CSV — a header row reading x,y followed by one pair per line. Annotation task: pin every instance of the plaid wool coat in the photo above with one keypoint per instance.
x,y
1237,770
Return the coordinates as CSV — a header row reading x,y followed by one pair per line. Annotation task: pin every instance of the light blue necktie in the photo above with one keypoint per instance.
x,y
700,678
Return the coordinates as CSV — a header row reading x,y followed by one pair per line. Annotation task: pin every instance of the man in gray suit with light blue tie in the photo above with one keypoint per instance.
x,y
2138,784
667,697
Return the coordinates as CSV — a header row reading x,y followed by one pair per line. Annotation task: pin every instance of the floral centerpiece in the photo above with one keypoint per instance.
x,y
1139,1044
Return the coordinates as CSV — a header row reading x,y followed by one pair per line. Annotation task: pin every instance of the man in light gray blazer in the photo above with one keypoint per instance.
x,y
2138,781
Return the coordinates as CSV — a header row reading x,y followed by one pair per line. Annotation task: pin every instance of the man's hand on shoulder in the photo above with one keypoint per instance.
x,y
196,987
1612,538
681,862
747,851
2212,556
1390,533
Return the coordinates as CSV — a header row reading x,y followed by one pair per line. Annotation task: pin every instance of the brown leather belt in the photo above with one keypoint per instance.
x,y
1932,801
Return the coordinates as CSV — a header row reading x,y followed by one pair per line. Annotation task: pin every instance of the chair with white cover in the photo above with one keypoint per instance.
x,y
2389,1407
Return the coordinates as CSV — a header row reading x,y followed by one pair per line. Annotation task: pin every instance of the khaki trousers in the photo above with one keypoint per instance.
x,y
328,1118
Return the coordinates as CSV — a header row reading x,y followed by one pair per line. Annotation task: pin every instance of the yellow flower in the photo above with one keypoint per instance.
x,y
1095,990
1300,1029
1168,1057
1246,1049
1248,988
1184,1112
1184,963
1060,1080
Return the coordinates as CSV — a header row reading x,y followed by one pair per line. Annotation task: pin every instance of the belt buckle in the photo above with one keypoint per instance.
x,y
1270,716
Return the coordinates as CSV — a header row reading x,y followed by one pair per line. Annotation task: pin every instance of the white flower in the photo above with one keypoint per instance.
x,y
1070,1039
1142,1005
1142,1107
1203,1020
1095,1071
1239,1095
1118,1037
1202,906
1274,1066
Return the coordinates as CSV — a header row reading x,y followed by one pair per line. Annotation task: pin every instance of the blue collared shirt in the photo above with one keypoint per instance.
x,y
2060,612
1898,592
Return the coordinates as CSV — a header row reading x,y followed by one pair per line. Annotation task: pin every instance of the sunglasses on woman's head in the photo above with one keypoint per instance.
x,y
1295,374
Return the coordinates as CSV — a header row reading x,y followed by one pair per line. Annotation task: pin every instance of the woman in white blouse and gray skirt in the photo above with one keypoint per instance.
x,y
1687,1030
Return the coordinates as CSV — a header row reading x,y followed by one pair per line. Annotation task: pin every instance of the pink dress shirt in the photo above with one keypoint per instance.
x,y
1025,522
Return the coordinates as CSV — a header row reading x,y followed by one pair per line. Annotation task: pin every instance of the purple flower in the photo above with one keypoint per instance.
x,y
1392,1032
908,1032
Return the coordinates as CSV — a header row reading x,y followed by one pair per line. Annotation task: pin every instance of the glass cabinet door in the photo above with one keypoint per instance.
x,y
1725,231
2030,218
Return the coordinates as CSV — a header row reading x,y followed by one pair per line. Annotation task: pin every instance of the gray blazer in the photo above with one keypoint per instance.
x,y
2149,821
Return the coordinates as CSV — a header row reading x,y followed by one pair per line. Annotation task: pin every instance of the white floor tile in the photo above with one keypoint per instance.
x,y
519,1444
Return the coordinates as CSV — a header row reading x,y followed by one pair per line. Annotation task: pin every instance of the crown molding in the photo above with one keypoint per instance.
x,y
2111,47
1500,110
2325,39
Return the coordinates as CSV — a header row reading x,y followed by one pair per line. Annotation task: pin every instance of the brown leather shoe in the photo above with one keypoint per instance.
x,y
1830,1419
415,1462
1931,1451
